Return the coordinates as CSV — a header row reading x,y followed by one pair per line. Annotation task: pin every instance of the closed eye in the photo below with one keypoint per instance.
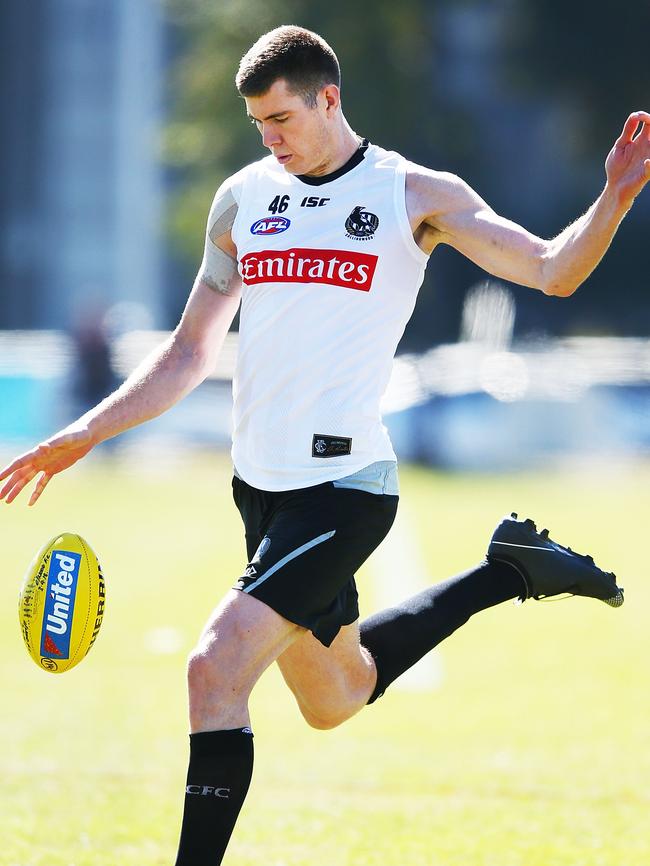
x,y
258,123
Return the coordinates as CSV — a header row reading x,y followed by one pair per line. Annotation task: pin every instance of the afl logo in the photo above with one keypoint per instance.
x,y
270,226
361,223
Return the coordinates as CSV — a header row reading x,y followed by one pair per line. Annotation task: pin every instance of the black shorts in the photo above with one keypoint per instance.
x,y
304,547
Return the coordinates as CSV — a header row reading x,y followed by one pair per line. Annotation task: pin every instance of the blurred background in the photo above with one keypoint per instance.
x,y
120,119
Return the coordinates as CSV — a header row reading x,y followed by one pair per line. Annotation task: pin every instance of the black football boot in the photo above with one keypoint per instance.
x,y
547,567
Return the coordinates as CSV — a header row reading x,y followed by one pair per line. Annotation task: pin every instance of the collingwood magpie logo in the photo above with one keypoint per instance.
x,y
361,224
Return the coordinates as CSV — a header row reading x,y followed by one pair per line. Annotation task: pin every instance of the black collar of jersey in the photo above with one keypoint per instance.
x,y
354,160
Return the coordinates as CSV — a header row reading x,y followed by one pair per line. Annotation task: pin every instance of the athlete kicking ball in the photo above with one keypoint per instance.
x,y
324,245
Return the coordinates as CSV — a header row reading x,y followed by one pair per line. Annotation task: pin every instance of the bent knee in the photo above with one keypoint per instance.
x,y
326,716
322,722
201,671
206,673
325,708
218,697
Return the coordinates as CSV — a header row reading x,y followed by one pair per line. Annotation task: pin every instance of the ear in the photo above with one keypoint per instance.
x,y
331,96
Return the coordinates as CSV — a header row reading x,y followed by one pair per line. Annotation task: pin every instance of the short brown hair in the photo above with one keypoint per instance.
x,y
302,58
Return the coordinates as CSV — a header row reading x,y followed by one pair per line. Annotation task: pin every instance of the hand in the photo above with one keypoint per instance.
x,y
57,453
628,164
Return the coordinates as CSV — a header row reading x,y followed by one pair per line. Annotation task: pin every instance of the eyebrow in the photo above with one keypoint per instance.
x,y
270,117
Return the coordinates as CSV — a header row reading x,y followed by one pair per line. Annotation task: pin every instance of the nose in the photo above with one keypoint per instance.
x,y
270,135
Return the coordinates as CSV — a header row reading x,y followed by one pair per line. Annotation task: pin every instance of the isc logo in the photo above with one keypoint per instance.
x,y
270,225
313,201
59,604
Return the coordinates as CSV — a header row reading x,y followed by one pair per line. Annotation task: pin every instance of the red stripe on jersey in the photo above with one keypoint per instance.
x,y
344,268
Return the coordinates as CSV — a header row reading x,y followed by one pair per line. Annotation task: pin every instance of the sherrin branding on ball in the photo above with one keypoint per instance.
x,y
61,604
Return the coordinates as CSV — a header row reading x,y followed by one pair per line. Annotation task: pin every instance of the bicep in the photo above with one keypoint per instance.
x,y
218,269
498,245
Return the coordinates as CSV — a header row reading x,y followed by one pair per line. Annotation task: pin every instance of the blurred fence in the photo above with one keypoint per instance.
x,y
468,405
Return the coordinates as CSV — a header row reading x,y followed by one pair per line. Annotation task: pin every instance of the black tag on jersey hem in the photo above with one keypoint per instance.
x,y
330,446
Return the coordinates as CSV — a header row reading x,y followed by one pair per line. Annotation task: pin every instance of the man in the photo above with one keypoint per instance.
x,y
325,243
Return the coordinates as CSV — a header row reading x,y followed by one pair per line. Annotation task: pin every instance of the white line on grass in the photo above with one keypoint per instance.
x,y
163,640
399,571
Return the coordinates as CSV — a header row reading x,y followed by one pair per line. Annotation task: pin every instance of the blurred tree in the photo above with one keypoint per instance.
x,y
385,55
208,136
592,58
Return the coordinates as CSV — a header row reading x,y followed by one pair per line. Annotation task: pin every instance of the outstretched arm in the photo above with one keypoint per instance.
x,y
444,209
166,376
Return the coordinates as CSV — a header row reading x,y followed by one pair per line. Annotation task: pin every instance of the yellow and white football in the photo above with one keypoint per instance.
x,y
61,604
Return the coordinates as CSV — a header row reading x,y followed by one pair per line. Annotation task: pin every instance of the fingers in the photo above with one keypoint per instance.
x,y
18,463
6,488
23,469
629,129
16,483
20,472
631,126
41,484
49,457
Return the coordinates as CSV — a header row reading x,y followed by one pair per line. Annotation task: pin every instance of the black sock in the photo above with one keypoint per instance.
x,y
400,636
220,770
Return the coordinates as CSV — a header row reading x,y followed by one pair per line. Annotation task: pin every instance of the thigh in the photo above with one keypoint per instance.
x,y
314,540
242,637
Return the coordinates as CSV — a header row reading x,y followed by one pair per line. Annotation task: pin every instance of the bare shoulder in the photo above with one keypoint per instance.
x,y
224,210
430,192
218,269
430,196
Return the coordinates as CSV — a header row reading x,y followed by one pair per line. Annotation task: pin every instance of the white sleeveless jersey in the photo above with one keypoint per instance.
x,y
330,274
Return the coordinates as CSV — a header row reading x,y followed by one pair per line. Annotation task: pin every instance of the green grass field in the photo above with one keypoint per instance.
x,y
535,751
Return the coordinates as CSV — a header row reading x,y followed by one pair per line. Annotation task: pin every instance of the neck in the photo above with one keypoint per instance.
x,y
344,145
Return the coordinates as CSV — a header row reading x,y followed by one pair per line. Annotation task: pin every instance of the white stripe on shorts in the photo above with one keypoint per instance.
x,y
294,553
